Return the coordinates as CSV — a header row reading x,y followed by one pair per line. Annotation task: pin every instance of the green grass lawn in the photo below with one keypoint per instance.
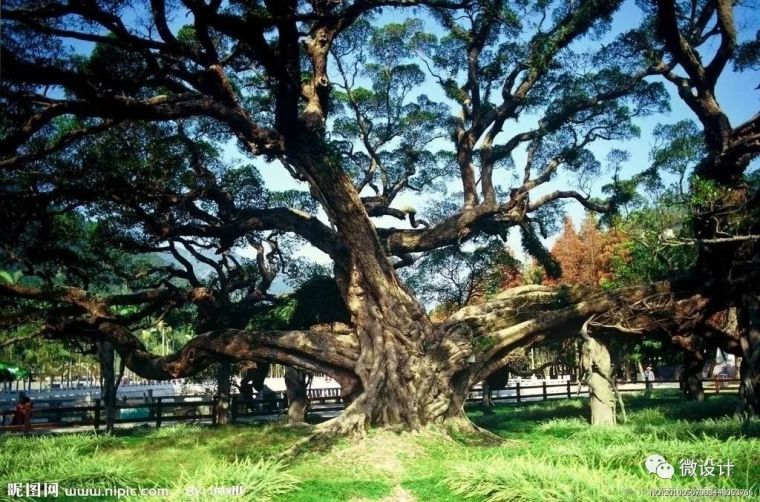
x,y
549,452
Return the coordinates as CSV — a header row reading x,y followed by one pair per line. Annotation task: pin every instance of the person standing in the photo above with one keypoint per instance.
x,y
23,414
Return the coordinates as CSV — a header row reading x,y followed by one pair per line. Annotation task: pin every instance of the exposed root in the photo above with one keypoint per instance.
x,y
348,424
464,431
353,425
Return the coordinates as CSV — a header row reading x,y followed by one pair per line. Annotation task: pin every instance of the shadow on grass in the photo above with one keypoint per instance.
x,y
513,419
713,417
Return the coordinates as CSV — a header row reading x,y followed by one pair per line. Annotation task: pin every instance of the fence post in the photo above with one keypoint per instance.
x,y
543,385
97,414
517,388
233,408
158,411
568,389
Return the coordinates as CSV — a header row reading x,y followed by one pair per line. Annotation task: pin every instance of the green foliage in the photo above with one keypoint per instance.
x,y
748,55
7,277
533,275
69,460
550,452
678,148
42,357
645,349
262,480
451,277
316,301
650,250
161,338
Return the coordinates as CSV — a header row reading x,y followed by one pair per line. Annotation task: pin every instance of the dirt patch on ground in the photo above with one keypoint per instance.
x,y
381,451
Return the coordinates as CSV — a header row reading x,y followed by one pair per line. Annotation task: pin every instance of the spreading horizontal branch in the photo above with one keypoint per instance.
x,y
18,339
331,353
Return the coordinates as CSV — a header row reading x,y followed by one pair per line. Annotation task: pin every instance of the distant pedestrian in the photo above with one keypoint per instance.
x,y
650,374
23,413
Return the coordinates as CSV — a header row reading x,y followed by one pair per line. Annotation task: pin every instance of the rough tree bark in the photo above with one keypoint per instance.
x,y
397,368
597,369
296,390
404,364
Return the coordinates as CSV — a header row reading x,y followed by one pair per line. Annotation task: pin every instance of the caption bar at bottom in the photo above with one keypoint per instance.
x,y
53,490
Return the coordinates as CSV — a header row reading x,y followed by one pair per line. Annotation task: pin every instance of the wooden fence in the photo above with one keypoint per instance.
x,y
160,410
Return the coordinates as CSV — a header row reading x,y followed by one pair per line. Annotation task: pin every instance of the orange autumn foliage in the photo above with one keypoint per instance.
x,y
586,255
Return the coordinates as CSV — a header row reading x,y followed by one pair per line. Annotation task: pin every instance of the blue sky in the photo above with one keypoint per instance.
x,y
736,93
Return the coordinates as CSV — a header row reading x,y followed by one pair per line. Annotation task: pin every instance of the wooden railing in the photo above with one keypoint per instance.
x,y
193,409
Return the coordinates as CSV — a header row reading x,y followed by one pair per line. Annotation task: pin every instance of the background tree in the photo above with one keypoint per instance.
x,y
586,256
450,278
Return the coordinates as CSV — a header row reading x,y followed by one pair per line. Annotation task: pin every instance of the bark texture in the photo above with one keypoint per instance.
x,y
296,386
597,369
404,365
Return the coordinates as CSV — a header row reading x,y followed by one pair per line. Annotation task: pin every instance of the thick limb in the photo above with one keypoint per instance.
x,y
331,353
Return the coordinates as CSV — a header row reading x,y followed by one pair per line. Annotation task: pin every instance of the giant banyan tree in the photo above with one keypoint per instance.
x,y
113,108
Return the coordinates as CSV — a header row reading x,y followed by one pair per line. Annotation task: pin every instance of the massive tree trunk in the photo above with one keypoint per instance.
x,y
597,368
298,399
405,366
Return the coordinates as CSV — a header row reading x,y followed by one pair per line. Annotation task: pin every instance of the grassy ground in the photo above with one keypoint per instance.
x,y
548,453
